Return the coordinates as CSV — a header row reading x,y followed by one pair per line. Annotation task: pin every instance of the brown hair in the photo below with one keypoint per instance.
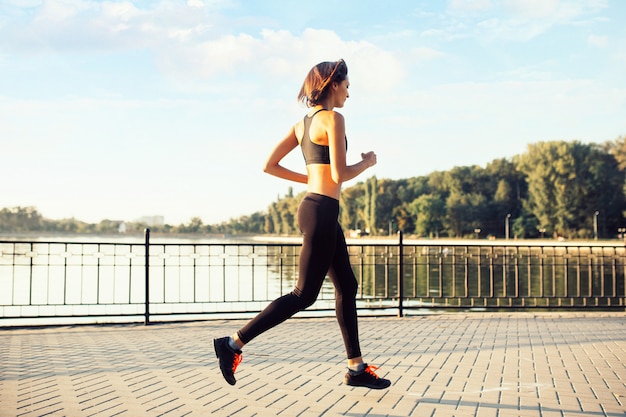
x,y
315,87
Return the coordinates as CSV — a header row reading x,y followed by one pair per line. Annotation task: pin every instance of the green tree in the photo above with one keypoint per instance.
x,y
617,149
567,183
463,212
273,223
429,211
20,219
349,214
369,205
194,226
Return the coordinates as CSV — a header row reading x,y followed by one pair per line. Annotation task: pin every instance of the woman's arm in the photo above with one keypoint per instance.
x,y
340,171
272,165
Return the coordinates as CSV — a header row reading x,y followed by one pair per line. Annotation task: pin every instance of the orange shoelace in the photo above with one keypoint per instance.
x,y
370,370
237,361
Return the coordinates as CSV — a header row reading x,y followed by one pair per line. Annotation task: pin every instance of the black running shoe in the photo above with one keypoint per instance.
x,y
366,378
228,359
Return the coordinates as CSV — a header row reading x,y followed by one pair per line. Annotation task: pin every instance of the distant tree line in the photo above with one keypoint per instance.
x,y
555,189
28,220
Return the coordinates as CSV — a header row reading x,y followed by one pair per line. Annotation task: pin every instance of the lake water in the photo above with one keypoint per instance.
x,y
67,277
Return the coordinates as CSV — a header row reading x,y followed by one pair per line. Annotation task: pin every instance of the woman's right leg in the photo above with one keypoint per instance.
x,y
346,286
359,373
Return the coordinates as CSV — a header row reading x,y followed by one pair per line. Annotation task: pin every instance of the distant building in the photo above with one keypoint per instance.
x,y
152,220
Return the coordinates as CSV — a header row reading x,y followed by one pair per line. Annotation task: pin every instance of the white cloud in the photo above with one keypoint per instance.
x,y
497,29
281,55
123,11
532,9
598,41
58,11
24,3
470,5
517,20
424,54
89,26
191,44
580,11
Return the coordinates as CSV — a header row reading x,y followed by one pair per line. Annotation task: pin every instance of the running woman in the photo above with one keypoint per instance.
x,y
322,137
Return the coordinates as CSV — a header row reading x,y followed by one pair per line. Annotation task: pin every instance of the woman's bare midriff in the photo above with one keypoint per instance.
x,y
321,182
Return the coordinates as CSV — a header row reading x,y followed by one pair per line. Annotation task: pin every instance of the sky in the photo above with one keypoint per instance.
x,y
123,109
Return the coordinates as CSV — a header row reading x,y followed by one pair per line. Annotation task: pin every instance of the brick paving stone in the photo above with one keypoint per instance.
x,y
453,364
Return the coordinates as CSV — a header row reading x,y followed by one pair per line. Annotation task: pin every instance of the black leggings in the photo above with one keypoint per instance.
x,y
323,252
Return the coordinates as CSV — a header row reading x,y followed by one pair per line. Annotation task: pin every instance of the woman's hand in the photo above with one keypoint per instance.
x,y
369,158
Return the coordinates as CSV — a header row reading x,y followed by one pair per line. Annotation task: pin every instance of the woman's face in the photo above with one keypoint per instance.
x,y
341,93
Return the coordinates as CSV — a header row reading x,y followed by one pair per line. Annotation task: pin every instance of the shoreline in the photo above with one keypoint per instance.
x,y
156,238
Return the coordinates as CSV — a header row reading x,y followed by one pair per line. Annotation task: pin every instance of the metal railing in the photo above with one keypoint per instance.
x,y
145,280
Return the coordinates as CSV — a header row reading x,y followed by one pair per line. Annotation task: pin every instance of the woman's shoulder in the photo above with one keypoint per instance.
x,y
298,129
324,119
331,117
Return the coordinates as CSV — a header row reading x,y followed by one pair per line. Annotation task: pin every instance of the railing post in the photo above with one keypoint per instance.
x,y
147,266
400,274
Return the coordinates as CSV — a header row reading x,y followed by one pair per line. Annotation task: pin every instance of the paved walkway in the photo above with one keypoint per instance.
x,y
457,364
